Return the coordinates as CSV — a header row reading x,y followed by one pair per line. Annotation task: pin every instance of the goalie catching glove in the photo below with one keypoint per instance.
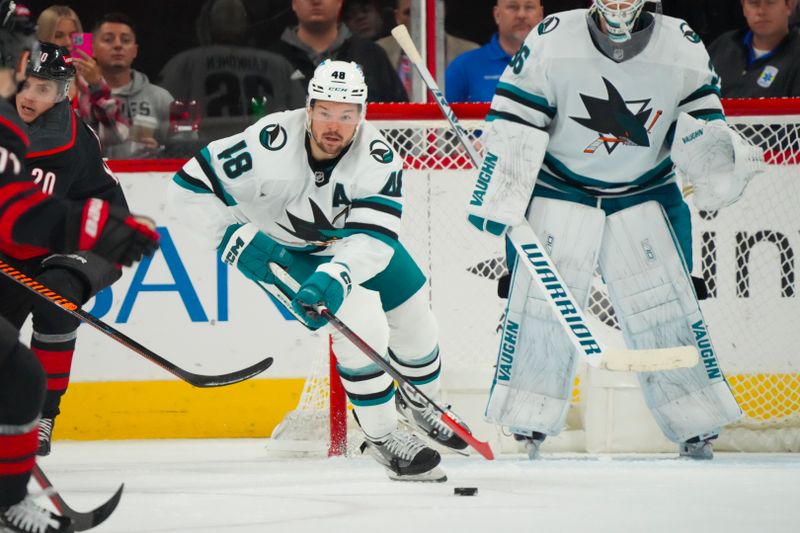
x,y
111,232
327,286
251,251
514,155
715,160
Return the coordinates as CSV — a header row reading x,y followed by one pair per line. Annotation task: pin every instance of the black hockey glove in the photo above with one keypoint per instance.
x,y
114,234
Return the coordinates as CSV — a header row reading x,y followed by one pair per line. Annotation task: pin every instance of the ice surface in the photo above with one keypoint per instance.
x,y
231,486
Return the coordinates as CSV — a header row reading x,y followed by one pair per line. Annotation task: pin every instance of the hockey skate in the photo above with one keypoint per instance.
x,y
45,436
533,443
697,448
406,457
425,418
28,517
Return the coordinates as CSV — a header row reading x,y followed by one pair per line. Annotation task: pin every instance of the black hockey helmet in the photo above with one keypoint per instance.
x,y
16,32
52,62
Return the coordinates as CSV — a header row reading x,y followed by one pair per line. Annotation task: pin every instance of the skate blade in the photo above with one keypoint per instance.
x,y
438,446
435,475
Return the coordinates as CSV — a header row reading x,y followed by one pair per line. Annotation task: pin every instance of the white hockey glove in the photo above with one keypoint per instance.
x,y
514,155
715,160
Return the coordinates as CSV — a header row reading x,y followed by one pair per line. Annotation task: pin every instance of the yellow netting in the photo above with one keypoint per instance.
x,y
768,398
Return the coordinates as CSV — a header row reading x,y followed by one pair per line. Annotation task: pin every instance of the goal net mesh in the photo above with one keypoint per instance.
x,y
745,253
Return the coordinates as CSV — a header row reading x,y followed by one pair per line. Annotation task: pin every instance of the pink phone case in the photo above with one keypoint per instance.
x,y
82,41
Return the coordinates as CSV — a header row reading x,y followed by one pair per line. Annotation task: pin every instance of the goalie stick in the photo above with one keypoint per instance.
x,y
447,418
535,258
197,380
81,521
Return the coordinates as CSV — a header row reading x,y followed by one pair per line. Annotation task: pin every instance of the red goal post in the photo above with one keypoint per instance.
x,y
745,252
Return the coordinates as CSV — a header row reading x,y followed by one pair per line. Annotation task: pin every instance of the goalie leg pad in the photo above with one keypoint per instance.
x,y
656,307
536,362
369,389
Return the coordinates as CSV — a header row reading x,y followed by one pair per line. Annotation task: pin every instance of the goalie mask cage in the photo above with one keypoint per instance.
x,y
746,254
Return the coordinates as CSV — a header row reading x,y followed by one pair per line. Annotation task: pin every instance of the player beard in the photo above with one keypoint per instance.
x,y
330,143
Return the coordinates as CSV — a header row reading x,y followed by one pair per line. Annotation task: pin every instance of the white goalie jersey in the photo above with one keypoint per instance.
x,y
348,207
611,124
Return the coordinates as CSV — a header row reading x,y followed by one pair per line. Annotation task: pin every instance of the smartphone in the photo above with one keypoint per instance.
x,y
82,41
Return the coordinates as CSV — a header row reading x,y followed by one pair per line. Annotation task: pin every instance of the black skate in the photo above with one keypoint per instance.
x,y
28,517
45,436
425,418
533,442
406,457
697,448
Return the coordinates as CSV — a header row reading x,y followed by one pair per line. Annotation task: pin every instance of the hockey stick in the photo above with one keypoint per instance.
x,y
533,255
81,521
198,380
447,418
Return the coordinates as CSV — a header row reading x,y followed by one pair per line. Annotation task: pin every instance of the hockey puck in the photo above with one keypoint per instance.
x,y
465,491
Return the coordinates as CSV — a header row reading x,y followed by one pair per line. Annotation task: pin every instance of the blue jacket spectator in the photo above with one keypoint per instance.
x,y
473,76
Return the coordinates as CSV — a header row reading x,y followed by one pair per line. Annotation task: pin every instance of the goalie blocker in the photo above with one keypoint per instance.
x,y
655,305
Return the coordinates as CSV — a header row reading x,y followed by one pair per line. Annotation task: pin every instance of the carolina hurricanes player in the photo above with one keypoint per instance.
x,y
30,218
64,159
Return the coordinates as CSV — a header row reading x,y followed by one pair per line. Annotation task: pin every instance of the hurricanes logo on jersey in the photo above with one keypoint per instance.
x,y
380,152
273,137
617,121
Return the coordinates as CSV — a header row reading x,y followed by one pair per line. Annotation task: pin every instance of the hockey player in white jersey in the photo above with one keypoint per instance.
x,y
318,191
589,123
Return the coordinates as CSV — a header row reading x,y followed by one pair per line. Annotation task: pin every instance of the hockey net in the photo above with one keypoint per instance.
x,y
746,253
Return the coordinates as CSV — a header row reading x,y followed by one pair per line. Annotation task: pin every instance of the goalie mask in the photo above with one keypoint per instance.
x,y
620,17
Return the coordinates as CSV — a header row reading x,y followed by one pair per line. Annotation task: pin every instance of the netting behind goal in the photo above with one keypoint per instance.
x,y
746,253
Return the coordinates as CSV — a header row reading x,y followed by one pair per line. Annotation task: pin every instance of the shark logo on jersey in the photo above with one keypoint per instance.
x,y
273,137
614,121
320,231
380,152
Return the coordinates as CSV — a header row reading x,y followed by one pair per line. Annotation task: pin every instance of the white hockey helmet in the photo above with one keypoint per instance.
x,y
338,81
620,16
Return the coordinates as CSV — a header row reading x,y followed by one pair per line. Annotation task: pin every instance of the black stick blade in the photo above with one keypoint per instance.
x,y
203,381
81,521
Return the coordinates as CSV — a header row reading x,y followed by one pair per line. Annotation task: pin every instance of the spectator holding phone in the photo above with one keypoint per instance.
x,y
91,95
145,104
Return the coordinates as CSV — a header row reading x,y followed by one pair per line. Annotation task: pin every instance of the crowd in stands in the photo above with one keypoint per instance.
x,y
227,80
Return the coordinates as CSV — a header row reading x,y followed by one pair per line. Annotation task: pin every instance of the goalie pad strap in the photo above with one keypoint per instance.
x,y
656,307
514,155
